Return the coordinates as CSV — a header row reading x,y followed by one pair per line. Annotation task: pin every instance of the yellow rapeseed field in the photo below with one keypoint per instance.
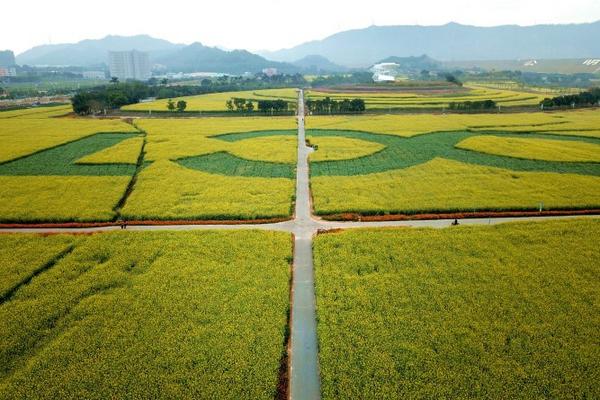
x,y
37,112
166,190
579,123
60,198
392,100
172,139
534,149
444,185
215,101
341,148
23,136
125,152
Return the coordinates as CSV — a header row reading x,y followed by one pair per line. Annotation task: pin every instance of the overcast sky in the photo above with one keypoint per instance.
x,y
260,24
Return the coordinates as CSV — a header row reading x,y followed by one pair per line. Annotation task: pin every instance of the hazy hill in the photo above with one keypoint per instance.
x,y
197,57
420,63
363,47
315,64
94,51
175,57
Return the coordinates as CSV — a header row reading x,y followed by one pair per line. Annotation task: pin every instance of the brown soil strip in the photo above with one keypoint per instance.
x,y
461,215
46,225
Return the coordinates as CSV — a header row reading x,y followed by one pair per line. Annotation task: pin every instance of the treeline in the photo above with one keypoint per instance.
x,y
588,98
330,106
472,105
117,94
113,96
266,106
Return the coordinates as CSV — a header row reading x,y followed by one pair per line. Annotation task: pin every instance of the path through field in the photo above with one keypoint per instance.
x,y
304,367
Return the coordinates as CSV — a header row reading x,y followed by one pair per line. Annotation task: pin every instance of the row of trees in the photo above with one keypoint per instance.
x,y
473,105
180,106
266,106
588,98
330,106
117,94
101,98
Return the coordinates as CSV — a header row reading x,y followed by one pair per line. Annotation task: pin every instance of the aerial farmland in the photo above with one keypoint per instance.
x,y
297,232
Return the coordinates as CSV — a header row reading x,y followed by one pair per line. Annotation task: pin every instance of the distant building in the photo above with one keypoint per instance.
x,y
94,74
129,65
385,72
270,72
7,58
7,71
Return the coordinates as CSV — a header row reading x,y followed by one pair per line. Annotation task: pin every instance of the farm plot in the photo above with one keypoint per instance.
x,y
507,311
536,149
38,112
42,179
216,168
24,136
215,102
145,315
572,123
387,99
431,173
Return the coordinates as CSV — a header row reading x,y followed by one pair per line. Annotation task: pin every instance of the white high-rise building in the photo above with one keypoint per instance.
x,y
129,65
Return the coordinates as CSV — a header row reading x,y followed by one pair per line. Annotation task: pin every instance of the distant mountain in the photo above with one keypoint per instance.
x,y
363,47
94,51
199,58
315,64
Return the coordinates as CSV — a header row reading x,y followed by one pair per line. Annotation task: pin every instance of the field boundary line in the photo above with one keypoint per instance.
x,y
43,268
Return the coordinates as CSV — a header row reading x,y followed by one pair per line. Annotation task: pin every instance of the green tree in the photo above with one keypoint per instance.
x,y
239,103
114,79
229,104
164,81
181,105
171,105
249,106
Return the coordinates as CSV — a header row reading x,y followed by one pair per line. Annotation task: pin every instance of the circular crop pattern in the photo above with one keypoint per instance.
x,y
350,153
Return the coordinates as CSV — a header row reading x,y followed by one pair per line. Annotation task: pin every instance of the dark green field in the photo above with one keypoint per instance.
x,y
60,160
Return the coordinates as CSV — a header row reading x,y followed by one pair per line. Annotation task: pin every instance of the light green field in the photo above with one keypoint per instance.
x,y
216,101
509,311
145,315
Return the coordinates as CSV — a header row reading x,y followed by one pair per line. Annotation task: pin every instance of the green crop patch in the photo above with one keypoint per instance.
x,y
62,160
224,163
146,315
401,152
496,312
